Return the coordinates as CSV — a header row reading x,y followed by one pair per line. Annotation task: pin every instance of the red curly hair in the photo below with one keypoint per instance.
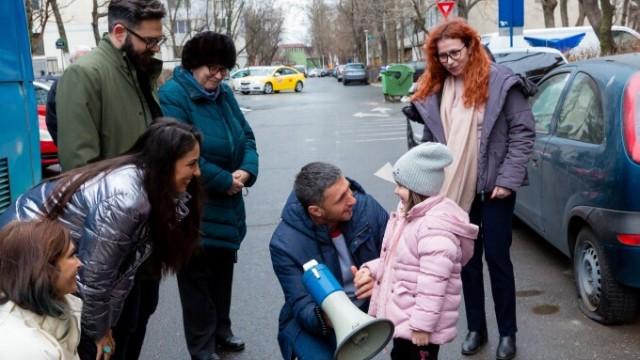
x,y
476,78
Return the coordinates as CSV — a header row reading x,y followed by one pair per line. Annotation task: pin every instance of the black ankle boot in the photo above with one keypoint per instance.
x,y
473,342
506,348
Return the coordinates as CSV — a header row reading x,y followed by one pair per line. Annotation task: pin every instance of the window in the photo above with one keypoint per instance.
x,y
182,26
545,101
625,41
285,71
41,96
581,117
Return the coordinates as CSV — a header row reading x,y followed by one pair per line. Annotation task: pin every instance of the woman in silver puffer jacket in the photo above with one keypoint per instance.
x,y
120,212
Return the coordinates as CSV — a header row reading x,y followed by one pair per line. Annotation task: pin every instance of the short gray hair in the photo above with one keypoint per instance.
x,y
312,180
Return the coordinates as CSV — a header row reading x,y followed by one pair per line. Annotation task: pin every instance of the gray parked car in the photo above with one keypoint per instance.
x,y
354,73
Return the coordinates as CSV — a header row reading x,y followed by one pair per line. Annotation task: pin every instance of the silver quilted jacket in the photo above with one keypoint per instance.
x,y
107,218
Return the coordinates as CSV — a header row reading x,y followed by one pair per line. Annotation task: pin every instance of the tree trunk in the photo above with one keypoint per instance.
x,y
60,23
564,13
462,9
581,14
607,46
402,35
548,9
625,12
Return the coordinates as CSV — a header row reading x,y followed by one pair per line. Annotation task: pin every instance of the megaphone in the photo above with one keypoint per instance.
x,y
358,335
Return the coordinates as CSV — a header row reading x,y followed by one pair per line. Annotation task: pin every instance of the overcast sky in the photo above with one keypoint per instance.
x,y
296,23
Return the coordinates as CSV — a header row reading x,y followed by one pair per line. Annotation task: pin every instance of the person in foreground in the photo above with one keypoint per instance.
x,y
39,316
120,212
329,218
480,111
427,241
196,95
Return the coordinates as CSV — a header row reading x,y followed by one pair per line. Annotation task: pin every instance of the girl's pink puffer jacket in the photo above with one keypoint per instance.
x,y
418,284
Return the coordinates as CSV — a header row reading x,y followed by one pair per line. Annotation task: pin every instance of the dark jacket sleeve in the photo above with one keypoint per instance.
x,y
104,244
381,219
250,160
305,311
521,137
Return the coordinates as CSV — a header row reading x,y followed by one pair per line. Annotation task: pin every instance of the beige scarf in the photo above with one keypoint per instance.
x,y
462,128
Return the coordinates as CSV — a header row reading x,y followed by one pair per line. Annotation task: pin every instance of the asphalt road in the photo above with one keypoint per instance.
x,y
355,129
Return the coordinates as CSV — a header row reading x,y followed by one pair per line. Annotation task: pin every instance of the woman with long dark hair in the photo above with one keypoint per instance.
x,y
480,111
39,318
120,212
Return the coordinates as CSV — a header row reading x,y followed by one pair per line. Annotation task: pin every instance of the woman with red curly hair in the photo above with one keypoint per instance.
x,y
479,110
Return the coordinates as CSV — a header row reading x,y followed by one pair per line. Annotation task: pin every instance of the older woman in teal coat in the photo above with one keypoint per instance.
x,y
229,163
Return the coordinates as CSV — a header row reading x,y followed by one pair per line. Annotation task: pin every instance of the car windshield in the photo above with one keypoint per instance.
x,y
529,63
355,67
261,71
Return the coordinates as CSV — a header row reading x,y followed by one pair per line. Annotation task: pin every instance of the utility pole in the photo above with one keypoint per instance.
x,y
366,46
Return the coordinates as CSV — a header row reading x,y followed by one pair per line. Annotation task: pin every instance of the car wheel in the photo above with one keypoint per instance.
x,y
245,92
600,297
299,86
268,88
344,82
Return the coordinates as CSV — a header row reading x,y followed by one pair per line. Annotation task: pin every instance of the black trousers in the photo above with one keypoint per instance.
x,y
205,292
494,217
405,350
131,328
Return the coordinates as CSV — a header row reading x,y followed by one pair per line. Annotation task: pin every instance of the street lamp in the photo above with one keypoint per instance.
x,y
366,46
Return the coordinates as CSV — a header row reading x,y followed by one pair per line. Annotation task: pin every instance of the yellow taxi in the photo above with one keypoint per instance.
x,y
270,79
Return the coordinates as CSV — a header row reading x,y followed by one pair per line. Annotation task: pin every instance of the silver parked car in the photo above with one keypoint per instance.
x,y
354,73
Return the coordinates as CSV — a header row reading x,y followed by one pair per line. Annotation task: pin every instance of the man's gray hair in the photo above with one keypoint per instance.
x,y
312,180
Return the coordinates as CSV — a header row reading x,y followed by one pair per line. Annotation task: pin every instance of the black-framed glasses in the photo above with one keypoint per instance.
x,y
453,54
217,69
149,42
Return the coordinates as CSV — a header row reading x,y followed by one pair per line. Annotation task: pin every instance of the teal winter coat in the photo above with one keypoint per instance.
x,y
228,144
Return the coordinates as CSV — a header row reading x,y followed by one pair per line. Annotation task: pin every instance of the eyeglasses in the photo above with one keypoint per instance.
x,y
150,42
453,54
217,69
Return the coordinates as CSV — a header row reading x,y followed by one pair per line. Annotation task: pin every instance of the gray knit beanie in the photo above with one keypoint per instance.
x,y
421,169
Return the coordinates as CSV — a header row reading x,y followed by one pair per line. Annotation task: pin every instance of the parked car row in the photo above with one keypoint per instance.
x,y
584,173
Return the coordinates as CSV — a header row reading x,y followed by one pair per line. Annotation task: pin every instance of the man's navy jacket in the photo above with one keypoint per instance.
x,y
297,240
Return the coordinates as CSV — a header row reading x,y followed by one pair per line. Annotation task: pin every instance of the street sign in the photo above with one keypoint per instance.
x,y
446,7
510,13
60,43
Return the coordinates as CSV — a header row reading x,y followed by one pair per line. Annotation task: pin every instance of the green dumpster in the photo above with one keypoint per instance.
x,y
396,81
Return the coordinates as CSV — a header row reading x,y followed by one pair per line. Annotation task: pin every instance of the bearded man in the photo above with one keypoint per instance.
x,y
108,97
105,101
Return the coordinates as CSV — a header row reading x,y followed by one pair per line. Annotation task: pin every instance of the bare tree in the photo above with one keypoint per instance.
x,y
98,11
581,14
263,31
37,19
321,21
564,13
601,19
625,12
60,23
548,9
465,7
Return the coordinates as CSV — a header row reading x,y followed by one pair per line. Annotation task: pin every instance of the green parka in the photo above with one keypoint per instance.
x,y
101,107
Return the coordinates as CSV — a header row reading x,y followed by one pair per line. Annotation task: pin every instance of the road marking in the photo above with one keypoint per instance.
x,y
385,173
361,115
381,110
245,110
385,139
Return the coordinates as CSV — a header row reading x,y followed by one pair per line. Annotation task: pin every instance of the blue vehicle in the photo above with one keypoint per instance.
x,y
584,174
19,135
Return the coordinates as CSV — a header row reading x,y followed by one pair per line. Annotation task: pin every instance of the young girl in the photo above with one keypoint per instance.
x,y
427,241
